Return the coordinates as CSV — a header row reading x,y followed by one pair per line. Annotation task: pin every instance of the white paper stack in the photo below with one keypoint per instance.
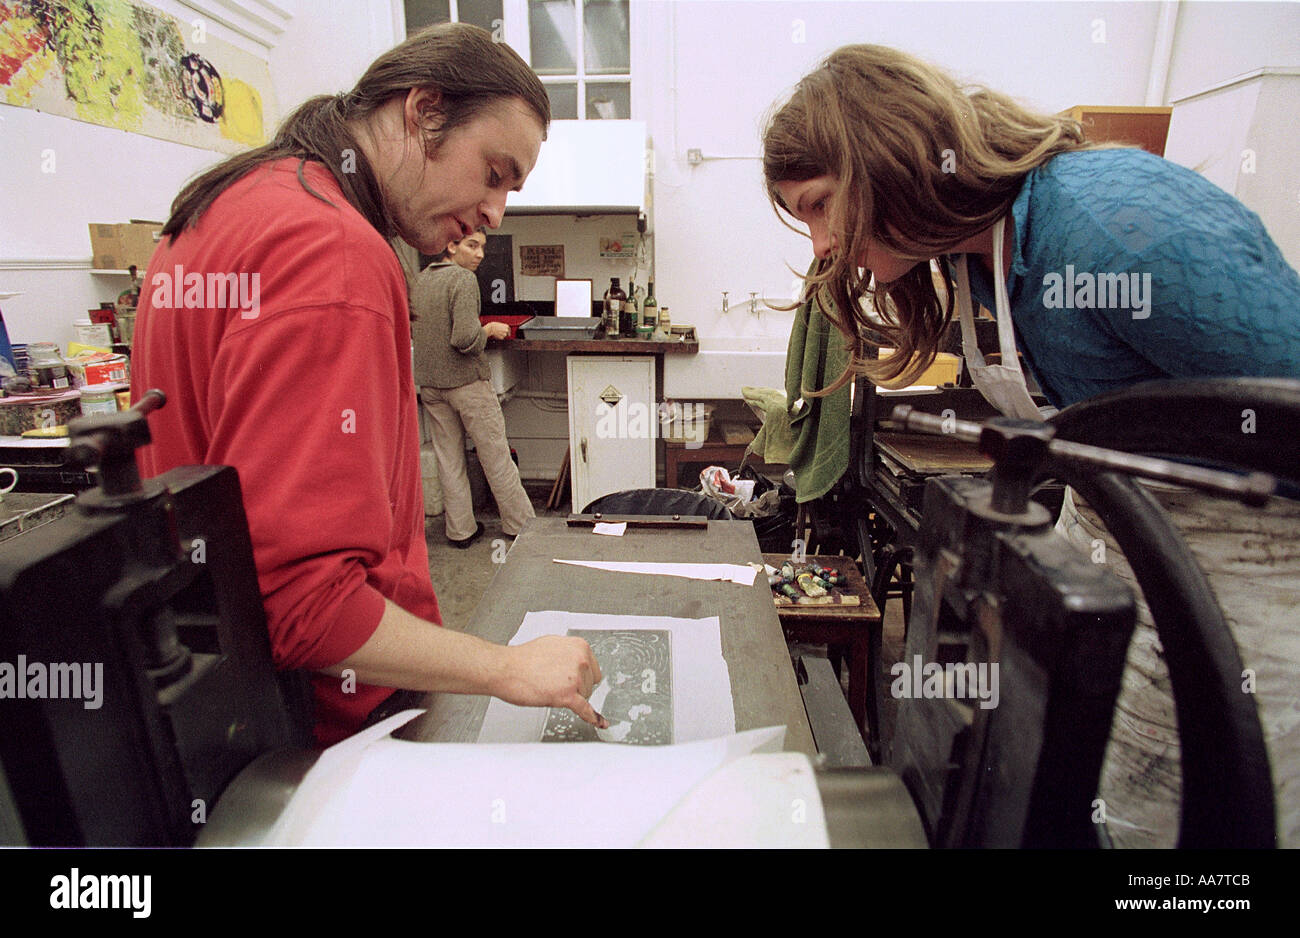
x,y
375,791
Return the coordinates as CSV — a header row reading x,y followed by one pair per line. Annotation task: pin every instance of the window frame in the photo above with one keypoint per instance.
x,y
517,35
453,8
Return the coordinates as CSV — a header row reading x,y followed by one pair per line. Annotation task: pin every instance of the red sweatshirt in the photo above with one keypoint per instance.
x,y
296,370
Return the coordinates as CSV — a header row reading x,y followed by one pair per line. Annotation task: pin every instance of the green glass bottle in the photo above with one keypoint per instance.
x,y
650,310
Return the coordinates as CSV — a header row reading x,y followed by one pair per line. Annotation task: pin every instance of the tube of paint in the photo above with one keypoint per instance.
x,y
807,584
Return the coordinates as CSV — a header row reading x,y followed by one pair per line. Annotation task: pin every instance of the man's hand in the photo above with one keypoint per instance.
x,y
552,671
405,651
496,330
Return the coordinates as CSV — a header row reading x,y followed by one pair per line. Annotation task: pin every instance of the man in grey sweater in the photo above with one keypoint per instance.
x,y
452,375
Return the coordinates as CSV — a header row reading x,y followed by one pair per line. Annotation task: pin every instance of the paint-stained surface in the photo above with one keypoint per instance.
x,y
126,65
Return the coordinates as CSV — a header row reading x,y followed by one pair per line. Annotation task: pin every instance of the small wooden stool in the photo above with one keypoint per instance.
x,y
858,628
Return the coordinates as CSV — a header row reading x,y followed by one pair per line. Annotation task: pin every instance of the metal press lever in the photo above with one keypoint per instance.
x,y
107,443
1003,437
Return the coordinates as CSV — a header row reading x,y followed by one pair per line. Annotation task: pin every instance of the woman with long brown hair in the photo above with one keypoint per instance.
x,y
1106,266
1119,266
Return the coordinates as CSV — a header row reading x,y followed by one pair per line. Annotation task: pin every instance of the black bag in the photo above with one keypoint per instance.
x,y
775,531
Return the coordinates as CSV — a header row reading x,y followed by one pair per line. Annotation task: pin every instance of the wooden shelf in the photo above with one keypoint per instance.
x,y
686,344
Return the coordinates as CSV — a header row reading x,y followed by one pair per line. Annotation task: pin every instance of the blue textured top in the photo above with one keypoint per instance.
x,y
1127,267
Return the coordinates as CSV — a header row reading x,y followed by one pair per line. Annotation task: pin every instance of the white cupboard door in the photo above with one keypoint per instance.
x,y
612,425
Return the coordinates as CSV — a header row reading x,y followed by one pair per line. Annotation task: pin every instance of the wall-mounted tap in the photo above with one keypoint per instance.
x,y
753,303
725,304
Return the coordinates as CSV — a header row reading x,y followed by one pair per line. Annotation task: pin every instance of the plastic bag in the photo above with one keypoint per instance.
x,y
738,495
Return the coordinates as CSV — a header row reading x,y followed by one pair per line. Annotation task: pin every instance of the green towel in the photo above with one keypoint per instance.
x,y
816,356
772,443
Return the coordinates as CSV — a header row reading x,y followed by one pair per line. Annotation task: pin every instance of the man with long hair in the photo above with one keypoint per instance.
x,y
275,316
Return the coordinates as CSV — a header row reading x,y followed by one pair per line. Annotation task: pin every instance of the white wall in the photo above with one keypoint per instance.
x,y
1218,41
327,47
1241,134
734,61
581,239
100,174
106,175
1273,189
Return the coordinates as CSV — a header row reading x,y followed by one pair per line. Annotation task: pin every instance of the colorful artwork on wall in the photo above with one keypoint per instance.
x,y
124,65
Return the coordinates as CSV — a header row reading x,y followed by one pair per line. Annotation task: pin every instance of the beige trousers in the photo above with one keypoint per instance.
x,y
473,408
1251,557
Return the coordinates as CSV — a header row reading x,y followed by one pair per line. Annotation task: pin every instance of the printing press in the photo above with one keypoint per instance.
x,y
167,600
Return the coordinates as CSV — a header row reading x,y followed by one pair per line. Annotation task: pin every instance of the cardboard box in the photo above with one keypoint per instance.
x,y
117,247
945,368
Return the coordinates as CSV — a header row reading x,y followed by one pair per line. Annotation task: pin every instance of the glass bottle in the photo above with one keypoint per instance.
x,y
46,367
637,296
614,298
665,330
627,320
650,310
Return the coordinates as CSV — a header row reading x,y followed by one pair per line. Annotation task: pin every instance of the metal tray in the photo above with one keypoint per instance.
x,y
560,327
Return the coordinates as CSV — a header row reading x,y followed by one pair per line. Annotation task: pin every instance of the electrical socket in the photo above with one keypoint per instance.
x,y
695,156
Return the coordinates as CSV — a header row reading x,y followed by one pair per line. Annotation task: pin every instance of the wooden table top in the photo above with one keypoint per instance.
x,y
763,687
932,455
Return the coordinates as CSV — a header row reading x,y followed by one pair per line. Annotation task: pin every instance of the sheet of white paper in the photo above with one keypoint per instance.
x,y
35,442
702,707
573,298
733,572
393,793
910,389
609,527
767,800
328,779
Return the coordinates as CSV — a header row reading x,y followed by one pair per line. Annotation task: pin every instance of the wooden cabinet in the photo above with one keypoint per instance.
x,y
612,425
1147,127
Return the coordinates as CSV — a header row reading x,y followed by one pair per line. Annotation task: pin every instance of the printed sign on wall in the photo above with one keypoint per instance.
x,y
622,246
541,260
